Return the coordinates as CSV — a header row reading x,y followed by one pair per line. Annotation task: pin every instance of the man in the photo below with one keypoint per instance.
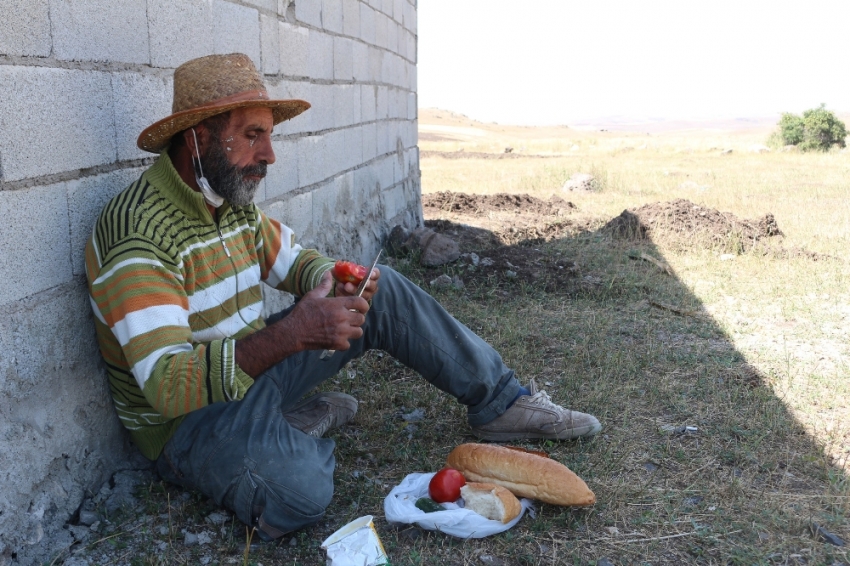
x,y
211,391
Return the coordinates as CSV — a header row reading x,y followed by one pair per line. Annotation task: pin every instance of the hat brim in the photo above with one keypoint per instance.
x,y
156,137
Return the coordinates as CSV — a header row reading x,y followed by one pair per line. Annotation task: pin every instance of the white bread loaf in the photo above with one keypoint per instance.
x,y
523,473
491,500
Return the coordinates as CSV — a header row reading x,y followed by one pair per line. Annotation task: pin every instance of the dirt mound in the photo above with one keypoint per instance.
x,y
462,203
698,224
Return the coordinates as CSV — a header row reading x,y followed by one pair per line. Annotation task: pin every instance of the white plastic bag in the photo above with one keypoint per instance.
x,y
400,507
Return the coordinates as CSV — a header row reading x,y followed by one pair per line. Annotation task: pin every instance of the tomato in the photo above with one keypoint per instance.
x,y
445,485
348,272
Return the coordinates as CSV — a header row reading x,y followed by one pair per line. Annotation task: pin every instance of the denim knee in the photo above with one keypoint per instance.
x,y
284,498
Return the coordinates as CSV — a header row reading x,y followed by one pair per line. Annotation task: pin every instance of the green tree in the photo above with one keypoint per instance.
x,y
817,129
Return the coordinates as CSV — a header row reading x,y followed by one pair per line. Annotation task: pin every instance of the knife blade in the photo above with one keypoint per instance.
x,y
358,293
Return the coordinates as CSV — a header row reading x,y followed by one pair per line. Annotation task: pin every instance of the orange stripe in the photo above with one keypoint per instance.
x,y
140,303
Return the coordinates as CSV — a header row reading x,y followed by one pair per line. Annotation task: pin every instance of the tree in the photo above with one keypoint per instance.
x,y
817,129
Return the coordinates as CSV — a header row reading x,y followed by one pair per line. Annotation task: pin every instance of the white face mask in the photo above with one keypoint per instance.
x,y
210,196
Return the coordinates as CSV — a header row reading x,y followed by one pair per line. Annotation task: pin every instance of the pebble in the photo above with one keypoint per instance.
x,y
88,518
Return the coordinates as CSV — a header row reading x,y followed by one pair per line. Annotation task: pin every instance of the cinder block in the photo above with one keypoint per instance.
x,y
398,11
388,69
381,30
179,31
294,41
297,213
368,102
325,214
376,63
36,252
311,152
411,106
361,61
332,15
282,175
412,76
385,140
370,141
25,28
388,7
351,18
100,30
320,55
382,106
410,18
270,44
140,100
86,198
353,147
309,13
334,151
323,95
384,168
236,30
346,105
367,24
395,201
34,100
392,35
343,59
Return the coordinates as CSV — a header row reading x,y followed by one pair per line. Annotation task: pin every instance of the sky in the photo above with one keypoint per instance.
x,y
547,62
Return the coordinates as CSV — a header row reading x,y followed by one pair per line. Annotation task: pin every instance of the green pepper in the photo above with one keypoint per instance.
x,y
428,505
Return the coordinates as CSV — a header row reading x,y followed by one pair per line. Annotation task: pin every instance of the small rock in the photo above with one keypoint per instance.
x,y
457,282
508,149
726,152
727,257
87,518
94,527
205,560
162,545
73,561
491,560
190,539
487,262
604,562
579,182
693,500
758,148
613,531
473,258
204,537
650,467
79,532
163,530
441,282
293,542
510,274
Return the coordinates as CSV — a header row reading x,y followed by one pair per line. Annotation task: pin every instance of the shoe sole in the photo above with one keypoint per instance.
x,y
572,434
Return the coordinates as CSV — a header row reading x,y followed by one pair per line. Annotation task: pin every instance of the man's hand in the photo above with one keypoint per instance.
x,y
317,322
349,289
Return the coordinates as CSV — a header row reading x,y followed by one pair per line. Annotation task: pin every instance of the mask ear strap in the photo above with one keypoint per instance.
x,y
210,196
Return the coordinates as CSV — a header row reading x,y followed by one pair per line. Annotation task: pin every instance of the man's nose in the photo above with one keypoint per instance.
x,y
265,151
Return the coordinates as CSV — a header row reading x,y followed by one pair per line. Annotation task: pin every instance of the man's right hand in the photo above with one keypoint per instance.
x,y
322,322
317,322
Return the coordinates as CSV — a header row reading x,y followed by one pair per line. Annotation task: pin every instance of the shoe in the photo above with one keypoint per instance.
x,y
536,416
321,412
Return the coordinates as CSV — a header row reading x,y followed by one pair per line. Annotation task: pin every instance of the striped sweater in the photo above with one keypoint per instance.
x,y
172,288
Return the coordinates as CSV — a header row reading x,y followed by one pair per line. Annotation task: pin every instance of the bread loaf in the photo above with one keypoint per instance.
x,y
491,500
523,473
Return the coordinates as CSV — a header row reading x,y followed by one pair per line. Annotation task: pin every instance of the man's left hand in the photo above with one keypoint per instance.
x,y
349,289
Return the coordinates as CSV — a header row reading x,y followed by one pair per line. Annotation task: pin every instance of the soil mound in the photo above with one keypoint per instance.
x,y
462,203
698,224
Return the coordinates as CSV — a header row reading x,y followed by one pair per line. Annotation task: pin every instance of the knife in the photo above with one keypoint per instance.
x,y
359,293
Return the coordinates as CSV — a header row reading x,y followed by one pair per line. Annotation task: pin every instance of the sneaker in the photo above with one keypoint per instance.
x,y
536,416
321,412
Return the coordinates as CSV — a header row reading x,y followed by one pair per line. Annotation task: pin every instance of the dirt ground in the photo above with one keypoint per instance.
x,y
497,234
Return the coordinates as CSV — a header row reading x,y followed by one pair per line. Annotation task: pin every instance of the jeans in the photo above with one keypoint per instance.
x,y
247,458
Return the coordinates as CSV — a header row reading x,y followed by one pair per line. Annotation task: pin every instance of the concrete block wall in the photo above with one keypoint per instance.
x,y
78,82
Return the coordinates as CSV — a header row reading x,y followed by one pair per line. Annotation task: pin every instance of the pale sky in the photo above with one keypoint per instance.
x,y
562,61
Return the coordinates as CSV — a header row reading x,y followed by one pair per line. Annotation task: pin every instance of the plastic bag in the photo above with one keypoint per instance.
x,y
400,507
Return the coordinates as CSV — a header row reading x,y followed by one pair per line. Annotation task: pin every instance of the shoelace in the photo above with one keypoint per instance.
x,y
542,399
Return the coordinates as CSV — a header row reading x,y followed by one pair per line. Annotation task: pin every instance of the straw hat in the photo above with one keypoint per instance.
x,y
212,85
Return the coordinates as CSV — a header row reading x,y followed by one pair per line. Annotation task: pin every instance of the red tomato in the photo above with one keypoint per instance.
x,y
348,272
445,485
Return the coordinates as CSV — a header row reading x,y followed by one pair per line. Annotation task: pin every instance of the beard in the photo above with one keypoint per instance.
x,y
229,180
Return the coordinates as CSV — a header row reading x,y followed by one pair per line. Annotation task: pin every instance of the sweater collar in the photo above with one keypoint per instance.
x,y
164,177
